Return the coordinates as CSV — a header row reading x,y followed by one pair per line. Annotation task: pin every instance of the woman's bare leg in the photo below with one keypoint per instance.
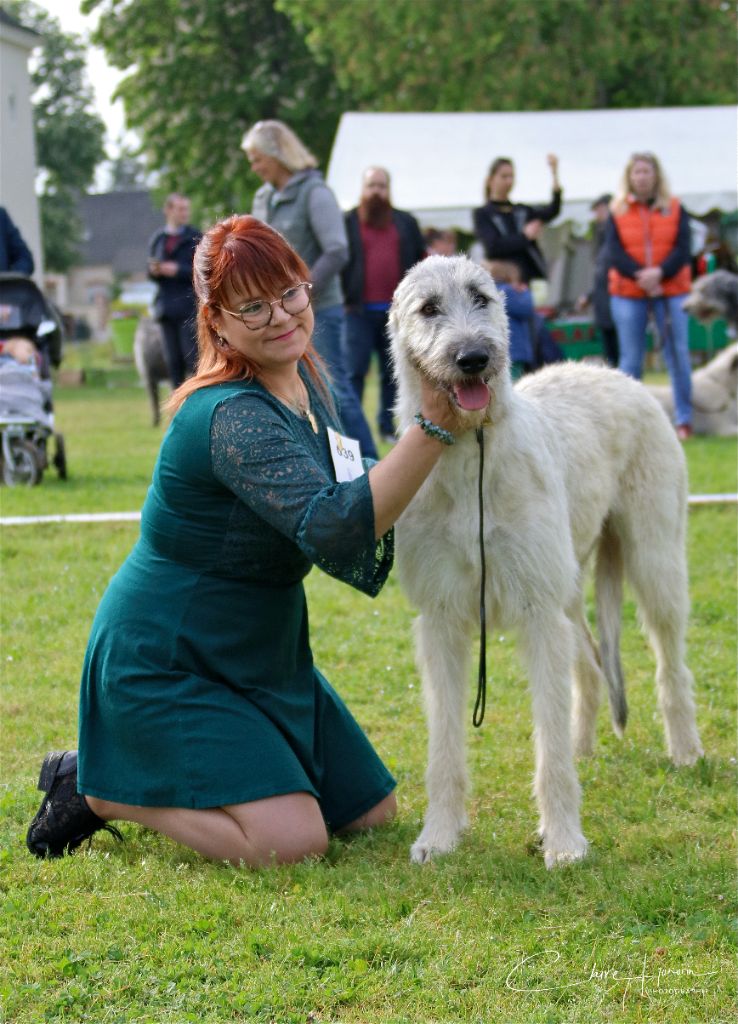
x,y
381,814
280,829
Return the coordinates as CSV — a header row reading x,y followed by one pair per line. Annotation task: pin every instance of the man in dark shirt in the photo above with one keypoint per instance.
x,y
171,252
383,244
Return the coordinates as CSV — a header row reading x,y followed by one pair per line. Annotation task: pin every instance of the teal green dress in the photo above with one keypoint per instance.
x,y
198,687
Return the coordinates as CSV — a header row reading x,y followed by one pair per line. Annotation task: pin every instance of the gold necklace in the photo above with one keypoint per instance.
x,y
302,408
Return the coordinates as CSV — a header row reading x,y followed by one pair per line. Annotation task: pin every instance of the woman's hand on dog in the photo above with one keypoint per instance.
x,y
436,406
396,478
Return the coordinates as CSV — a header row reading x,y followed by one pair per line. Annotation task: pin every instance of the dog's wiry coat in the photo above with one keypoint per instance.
x,y
580,464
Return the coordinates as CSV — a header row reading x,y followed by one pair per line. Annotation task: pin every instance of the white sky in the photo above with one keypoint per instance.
x,y
101,76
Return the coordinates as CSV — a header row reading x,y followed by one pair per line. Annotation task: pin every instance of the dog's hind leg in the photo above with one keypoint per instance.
x,y
548,648
152,387
658,573
442,649
588,683
609,598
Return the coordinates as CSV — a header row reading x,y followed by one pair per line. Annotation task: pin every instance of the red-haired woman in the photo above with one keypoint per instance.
x,y
202,715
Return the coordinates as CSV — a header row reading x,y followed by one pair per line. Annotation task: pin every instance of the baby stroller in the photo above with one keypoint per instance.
x,y
31,337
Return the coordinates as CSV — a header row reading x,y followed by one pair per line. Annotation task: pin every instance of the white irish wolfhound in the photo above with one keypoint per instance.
x,y
580,463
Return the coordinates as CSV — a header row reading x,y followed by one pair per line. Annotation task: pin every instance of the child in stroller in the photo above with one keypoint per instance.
x,y
30,343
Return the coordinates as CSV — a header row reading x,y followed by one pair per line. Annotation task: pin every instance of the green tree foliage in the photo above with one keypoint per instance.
x,y
69,136
201,72
61,229
127,170
432,55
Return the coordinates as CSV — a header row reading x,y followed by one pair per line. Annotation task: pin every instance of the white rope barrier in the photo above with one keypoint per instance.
x,y
713,499
85,517
134,517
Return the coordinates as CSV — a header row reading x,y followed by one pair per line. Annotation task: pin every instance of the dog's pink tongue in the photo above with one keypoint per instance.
x,y
473,395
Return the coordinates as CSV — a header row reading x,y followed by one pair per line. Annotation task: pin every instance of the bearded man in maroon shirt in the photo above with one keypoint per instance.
x,y
383,244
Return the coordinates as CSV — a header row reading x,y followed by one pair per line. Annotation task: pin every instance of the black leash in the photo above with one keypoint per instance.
x,y
479,707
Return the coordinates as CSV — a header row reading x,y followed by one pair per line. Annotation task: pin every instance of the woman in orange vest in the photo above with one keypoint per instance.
x,y
648,245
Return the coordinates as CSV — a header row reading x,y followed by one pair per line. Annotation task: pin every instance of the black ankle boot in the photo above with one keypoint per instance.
x,y
64,819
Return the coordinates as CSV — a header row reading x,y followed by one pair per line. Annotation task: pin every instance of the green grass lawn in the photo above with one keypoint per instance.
x,y
642,931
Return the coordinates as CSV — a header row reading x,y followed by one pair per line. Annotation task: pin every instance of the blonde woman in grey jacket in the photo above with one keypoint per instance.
x,y
296,201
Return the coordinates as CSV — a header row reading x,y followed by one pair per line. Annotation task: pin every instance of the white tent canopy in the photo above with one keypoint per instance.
x,y
438,162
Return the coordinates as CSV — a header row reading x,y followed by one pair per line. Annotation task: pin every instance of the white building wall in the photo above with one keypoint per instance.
x,y
17,143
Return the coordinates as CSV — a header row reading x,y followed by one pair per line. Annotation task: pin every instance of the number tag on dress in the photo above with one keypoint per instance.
x,y
346,455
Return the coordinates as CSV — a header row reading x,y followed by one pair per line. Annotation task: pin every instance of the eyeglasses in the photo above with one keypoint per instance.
x,y
258,314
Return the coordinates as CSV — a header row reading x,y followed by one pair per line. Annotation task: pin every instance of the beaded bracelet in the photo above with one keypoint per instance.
x,y
432,430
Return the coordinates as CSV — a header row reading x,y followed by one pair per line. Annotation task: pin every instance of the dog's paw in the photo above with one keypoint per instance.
x,y
584,745
567,851
685,754
431,842
421,853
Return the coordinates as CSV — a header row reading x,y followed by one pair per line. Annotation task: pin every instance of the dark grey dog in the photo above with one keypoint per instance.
x,y
714,296
148,353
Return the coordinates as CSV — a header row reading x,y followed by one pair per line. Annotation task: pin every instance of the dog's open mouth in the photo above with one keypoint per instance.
x,y
472,394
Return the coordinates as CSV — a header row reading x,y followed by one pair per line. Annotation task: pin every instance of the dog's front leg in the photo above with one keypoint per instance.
x,y
442,649
548,647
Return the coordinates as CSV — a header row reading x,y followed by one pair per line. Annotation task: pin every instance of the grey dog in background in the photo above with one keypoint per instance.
x,y
715,385
714,395
148,354
714,296
581,465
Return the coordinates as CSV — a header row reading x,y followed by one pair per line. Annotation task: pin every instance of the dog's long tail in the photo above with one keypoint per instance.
x,y
609,596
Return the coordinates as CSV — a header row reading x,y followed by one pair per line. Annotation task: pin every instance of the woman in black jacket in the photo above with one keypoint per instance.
x,y
507,230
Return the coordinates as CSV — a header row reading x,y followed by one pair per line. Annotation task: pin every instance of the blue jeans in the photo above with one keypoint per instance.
x,y
630,317
327,340
366,332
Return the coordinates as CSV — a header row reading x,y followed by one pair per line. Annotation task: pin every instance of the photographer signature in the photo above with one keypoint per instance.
x,y
663,979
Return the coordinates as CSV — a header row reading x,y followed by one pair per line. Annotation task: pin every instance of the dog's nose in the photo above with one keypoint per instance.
x,y
472,361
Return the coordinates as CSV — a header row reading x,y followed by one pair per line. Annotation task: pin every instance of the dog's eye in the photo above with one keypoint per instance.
x,y
429,309
479,300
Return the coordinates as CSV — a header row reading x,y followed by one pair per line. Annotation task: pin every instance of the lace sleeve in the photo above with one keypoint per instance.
x,y
272,461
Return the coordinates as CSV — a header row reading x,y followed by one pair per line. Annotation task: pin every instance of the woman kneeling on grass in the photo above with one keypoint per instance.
x,y
202,715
